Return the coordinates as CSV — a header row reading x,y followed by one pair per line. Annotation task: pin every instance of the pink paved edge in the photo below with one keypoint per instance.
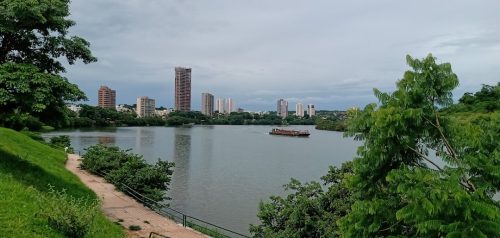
x,y
116,205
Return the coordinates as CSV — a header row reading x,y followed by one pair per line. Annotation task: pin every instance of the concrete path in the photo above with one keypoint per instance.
x,y
117,206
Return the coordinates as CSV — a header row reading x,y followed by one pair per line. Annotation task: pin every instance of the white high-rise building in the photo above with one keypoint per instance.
x,y
145,107
310,110
282,108
219,106
207,104
299,110
230,106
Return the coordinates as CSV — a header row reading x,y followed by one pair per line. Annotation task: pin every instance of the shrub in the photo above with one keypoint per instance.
x,y
67,214
61,142
129,170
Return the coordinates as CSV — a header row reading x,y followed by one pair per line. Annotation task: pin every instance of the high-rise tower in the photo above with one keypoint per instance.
x,y
220,105
231,106
282,108
182,89
311,111
299,109
207,104
106,97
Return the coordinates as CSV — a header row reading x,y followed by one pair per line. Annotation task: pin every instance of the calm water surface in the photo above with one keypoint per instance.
x,y
222,172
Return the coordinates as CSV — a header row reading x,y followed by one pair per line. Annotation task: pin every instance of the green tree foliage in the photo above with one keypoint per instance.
x,y
91,116
33,39
400,188
28,95
330,125
308,211
485,100
36,32
127,169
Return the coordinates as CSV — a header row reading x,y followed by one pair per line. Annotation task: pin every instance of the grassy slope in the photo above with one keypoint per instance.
x,y
25,167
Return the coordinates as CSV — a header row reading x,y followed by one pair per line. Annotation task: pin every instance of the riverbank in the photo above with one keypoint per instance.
x,y
123,209
29,171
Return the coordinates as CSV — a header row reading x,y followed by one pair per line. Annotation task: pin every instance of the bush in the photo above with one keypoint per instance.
x,y
125,169
61,142
69,215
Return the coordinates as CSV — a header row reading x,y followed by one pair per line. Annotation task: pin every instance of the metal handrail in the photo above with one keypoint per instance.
x,y
154,234
161,209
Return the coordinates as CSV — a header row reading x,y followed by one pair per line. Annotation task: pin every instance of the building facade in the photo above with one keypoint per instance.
x,y
231,106
282,108
207,104
220,104
106,97
182,89
299,110
145,107
311,111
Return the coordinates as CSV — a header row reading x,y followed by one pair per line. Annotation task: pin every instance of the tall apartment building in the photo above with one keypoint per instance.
x,y
310,110
145,107
231,106
282,108
220,104
106,97
207,104
182,89
299,110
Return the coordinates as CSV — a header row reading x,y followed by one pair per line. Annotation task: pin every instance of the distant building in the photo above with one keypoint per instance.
x,y
163,113
282,108
299,109
123,108
74,108
310,110
241,109
182,89
220,104
145,107
231,106
207,104
106,97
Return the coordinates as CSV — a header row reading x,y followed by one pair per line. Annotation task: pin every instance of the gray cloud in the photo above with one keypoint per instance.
x,y
330,53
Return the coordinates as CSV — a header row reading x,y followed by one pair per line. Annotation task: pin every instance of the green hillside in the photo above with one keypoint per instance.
x,y
27,167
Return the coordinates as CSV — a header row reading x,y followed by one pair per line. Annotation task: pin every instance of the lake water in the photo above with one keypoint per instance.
x,y
222,172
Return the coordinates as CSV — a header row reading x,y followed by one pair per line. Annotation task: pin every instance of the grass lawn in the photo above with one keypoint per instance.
x,y
27,167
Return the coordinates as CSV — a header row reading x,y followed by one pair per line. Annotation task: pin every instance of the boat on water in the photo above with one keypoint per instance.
x,y
283,132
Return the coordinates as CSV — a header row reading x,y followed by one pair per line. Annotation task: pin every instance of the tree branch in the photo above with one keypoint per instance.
x,y
466,182
424,157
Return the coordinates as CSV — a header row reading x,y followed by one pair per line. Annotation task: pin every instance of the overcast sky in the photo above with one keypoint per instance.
x,y
329,53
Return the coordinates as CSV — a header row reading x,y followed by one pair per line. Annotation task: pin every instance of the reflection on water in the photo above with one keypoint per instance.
x,y
221,173
182,155
106,139
144,136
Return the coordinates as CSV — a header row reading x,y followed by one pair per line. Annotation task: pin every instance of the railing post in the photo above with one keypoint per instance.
x,y
184,220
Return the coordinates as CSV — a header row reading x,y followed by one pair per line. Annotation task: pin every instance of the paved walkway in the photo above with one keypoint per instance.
x,y
117,206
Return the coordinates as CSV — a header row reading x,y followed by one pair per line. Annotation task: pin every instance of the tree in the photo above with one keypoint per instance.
x,y
33,38
27,92
308,211
36,32
400,189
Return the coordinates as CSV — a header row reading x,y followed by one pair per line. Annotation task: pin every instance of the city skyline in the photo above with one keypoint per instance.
x,y
332,58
